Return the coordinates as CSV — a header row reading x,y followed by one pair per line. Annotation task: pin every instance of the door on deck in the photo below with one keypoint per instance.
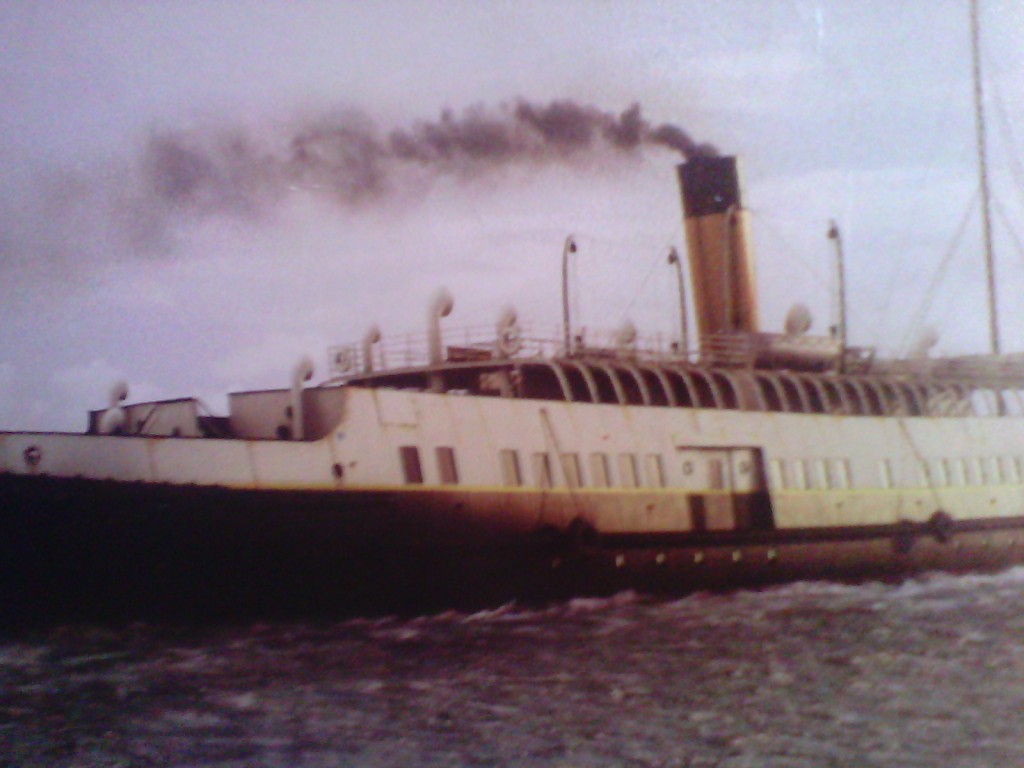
x,y
727,488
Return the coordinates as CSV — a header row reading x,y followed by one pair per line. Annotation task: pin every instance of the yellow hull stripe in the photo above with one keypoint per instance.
x,y
667,491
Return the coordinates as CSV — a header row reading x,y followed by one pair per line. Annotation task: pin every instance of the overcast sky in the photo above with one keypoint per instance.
x,y
188,200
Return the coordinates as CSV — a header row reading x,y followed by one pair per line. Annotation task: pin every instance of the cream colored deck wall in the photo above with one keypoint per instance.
x,y
259,415
374,424
478,428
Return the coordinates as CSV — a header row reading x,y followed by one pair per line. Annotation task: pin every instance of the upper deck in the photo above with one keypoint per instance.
x,y
738,371
768,373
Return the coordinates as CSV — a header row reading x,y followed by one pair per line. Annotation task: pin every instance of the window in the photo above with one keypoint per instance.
x,y
885,473
777,470
840,473
924,472
510,472
799,474
821,476
446,467
411,468
599,470
984,402
1009,469
957,474
654,470
542,470
627,470
947,472
974,473
571,469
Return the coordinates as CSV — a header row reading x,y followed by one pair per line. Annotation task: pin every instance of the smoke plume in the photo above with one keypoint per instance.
x,y
350,160
346,159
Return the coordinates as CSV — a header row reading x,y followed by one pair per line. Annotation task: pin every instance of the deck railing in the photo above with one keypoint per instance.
x,y
481,343
764,351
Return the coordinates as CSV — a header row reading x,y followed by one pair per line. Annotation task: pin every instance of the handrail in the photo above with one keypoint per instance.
x,y
763,352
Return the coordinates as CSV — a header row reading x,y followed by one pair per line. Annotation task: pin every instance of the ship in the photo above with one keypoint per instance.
x,y
467,469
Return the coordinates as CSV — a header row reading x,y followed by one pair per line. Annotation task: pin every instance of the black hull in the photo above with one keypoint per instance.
x,y
81,550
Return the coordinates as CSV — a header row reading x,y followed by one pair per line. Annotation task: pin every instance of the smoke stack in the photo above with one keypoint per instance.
x,y
717,234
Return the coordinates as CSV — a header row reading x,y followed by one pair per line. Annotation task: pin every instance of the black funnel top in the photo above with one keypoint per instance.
x,y
710,185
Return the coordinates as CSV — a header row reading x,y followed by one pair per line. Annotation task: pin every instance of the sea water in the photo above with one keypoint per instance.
x,y
929,672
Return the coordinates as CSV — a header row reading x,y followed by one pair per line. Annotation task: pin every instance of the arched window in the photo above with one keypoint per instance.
x,y
634,385
874,400
985,402
1014,403
856,396
708,395
683,387
835,397
816,397
544,381
616,383
606,389
771,391
894,402
727,388
577,382
913,395
796,398
659,386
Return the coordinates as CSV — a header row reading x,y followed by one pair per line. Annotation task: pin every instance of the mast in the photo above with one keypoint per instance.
x,y
986,216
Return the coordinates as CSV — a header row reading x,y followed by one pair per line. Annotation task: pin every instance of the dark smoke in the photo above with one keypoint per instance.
x,y
181,176
351,160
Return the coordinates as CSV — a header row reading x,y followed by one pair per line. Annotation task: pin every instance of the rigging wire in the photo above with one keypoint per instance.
x,y
1009,228
599,254
771,228
647,278
1013,160
924,179
904,274
915,324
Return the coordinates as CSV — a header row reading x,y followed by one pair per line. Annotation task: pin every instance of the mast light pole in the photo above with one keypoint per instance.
x,y
836,237
569,247
684,337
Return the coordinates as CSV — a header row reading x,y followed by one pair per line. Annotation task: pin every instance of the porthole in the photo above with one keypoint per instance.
x,y
33,455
